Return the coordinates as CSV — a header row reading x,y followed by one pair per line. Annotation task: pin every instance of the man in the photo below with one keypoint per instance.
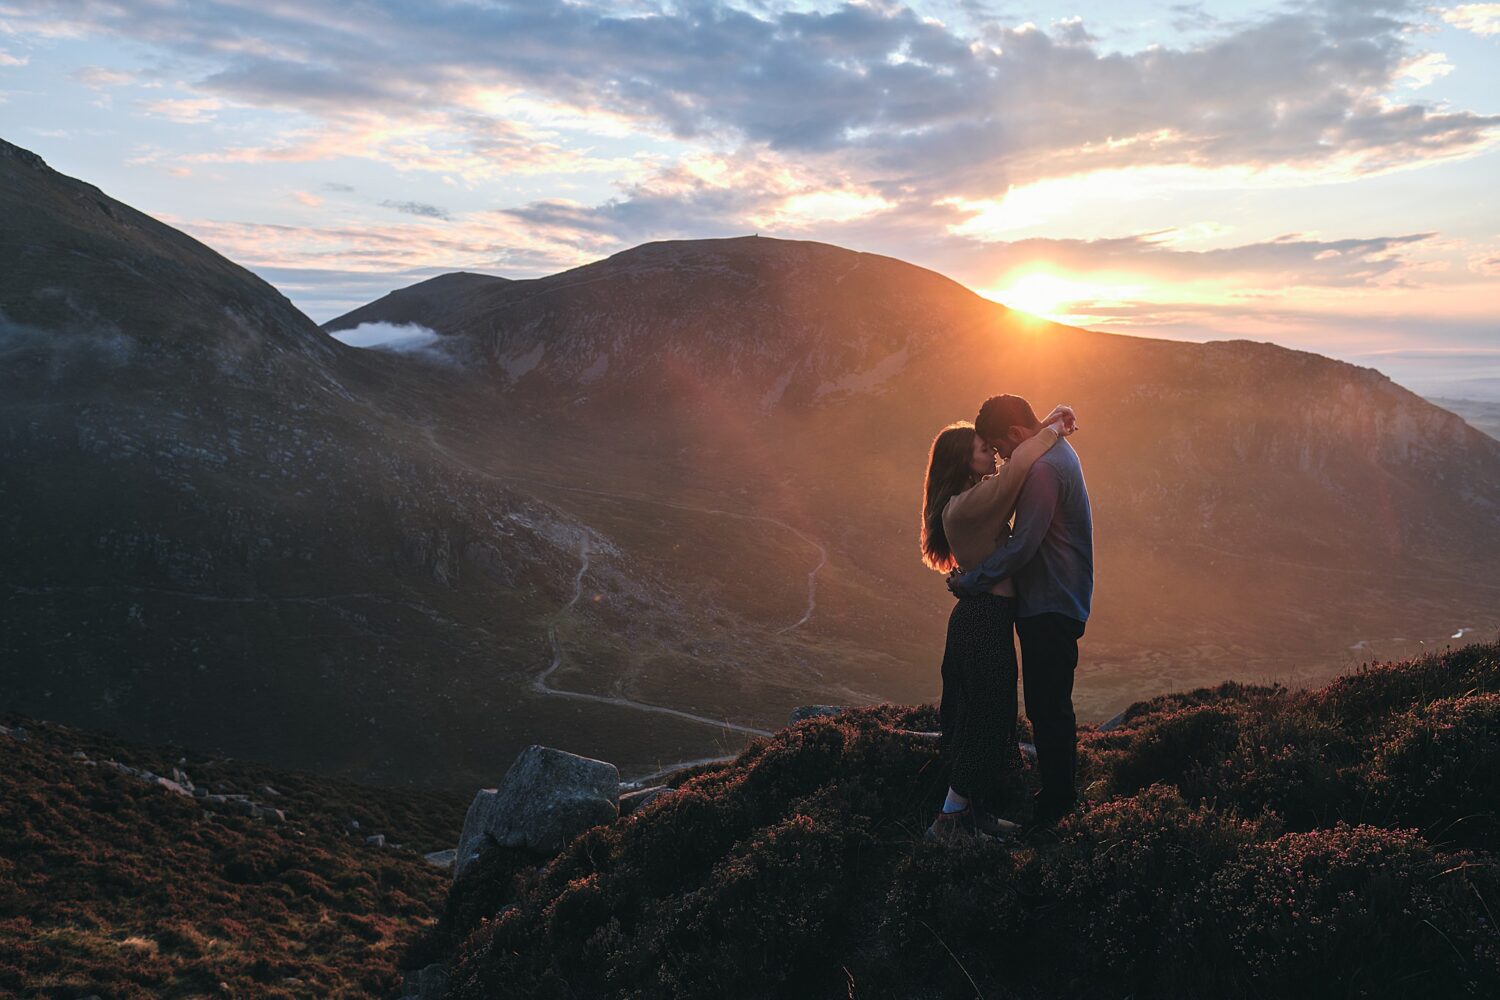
x,y
1050,555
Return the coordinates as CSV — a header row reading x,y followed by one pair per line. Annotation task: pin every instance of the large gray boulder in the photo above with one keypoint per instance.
x,y
546,798
428,983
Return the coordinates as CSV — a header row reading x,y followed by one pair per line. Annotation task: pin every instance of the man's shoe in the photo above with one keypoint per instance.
x,y
957,827
1049,811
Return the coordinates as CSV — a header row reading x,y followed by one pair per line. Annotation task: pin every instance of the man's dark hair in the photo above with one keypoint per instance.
x,y
1000,413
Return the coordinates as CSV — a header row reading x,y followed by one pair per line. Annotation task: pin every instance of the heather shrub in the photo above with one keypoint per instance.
x,y
798,870
949,915
1227,693
1261,751
1361,701
1178,747
1438,769
1118,889
112,887
762,863
1377,908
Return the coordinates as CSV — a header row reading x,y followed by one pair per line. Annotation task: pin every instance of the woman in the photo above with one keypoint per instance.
x,y
966,513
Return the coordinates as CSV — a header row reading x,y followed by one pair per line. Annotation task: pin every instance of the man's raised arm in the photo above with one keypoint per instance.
x,y
1034,511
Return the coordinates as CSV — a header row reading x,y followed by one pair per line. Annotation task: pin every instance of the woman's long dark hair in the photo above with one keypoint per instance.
x,y
948,473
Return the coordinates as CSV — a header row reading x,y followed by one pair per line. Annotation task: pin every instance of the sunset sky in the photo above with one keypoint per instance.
x,y
1322,174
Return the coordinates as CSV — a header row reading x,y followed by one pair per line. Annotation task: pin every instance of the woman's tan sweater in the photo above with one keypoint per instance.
x,y
977,521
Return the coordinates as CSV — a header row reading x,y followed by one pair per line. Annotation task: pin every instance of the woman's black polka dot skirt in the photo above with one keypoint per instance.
x,y
978,710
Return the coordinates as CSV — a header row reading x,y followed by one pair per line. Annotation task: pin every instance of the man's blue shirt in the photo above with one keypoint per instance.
x,y
1050,554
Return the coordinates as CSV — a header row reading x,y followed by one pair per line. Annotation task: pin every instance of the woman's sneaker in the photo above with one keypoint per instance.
x,y
995,826
954,827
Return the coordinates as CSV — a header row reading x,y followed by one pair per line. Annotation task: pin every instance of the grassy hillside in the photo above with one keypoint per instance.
x,y
120,887
1236,841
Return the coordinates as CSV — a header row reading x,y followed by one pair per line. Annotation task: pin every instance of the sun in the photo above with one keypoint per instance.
x,y
1042,293
1052,296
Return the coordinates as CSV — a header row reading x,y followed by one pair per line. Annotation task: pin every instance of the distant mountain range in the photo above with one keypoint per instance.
x,y
674,486
1481,414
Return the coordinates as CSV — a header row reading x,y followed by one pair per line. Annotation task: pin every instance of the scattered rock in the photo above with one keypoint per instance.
x,y
170,785
804,712
631,801
269,814
441,859
376,840
1112,723
267,790
546,798
429,983
352,826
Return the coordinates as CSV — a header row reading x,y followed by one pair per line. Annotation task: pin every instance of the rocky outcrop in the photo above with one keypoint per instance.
x,y
547,797
428,983
642,797
803,712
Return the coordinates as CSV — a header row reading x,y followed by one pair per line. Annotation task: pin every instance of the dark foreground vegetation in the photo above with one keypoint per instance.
x,y
117,887
1235,842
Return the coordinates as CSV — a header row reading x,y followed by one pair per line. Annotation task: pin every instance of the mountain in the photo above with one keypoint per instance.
x,y
653,502
1259,511
1234,841
426,301
224,528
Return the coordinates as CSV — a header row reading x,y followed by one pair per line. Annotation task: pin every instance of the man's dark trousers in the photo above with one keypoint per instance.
x,y
1049,655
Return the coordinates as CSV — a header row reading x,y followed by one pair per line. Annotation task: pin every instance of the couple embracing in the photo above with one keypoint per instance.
x,y
1036,578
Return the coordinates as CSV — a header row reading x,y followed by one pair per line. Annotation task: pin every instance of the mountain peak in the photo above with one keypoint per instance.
x,y
79,261
26,156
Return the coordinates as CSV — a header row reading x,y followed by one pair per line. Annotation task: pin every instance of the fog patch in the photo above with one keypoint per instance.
x,y
411,339
76,346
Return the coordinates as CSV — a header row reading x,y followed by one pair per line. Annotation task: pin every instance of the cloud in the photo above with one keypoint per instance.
x,y
100,77
1480,18
185,111
389,336
873,92
304,198
1486,263
411,339
1289,260
335,186
6,59
423,209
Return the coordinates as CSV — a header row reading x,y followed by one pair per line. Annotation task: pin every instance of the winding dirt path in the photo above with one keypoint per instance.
x,y
541,685
542,682
812,576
